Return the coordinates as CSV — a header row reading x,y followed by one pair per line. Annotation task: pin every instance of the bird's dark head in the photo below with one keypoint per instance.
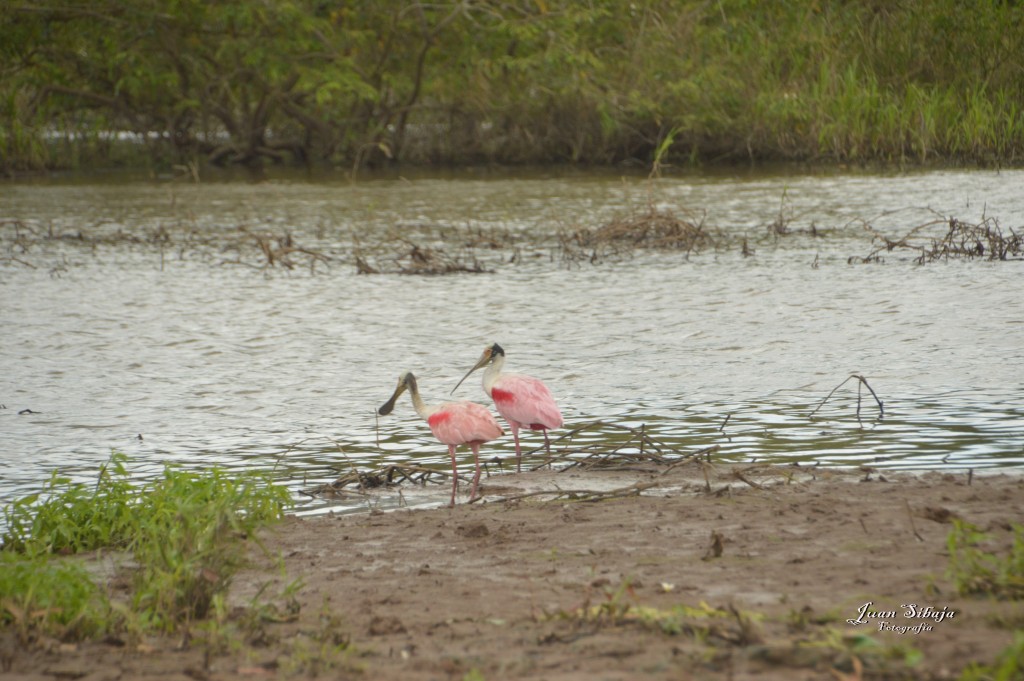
x,y
490,354
405,382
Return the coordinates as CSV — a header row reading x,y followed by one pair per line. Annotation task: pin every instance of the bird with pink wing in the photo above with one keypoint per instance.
x,y
523,401
452,423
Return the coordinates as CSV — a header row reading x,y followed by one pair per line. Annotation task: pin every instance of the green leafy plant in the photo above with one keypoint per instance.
x,y
975,571
187,544
184,530
55,598
69,517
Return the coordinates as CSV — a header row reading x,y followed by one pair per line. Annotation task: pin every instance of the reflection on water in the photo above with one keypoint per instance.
x,y
171,356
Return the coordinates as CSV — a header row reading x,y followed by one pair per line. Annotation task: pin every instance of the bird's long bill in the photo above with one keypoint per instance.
x,y
484,359
389,406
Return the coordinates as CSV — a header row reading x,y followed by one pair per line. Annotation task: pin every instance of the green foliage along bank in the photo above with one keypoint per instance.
x,y
367,83
184,532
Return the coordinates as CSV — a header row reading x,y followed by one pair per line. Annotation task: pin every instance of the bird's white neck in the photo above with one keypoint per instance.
x,y
492,372
417,402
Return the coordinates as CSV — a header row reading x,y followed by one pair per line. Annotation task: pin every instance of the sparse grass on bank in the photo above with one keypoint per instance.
x,y
977,571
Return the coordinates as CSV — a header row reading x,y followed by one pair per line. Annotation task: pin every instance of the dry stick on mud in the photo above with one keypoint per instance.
x,y
913,527
583,494
739,475
388,476
862,381
606,455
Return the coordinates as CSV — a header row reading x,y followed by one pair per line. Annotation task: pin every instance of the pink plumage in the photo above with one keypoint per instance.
x,y
523,401
458,423
526,401
453,423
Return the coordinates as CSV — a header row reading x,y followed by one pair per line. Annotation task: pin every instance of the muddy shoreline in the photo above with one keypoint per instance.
x,y
723,572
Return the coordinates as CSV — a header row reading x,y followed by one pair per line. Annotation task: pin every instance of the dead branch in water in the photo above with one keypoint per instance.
x,y
861,382
618,448
592,446
387,476
404,256
653,229
960,240
280,250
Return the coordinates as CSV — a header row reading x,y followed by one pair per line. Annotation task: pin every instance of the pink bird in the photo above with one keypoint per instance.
x,y
453,423
523,401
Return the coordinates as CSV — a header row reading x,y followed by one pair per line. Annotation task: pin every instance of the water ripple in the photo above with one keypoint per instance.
x,y
213,364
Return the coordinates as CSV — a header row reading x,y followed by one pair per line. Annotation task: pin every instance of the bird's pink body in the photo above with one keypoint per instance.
x,y
453,424
461,423
525,402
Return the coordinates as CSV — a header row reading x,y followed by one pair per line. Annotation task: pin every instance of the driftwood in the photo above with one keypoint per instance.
x,y
618,448
961,240
404,256
388,476
593,446
583,494
861,382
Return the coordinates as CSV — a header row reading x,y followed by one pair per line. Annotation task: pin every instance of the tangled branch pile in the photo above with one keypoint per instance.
x,y
35,244
408,257
985,239
598,445
654,229
961,240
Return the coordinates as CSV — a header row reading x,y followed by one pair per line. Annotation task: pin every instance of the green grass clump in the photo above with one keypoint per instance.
x,y
184,529
975,571
67,517
1009,665
55,598
188,539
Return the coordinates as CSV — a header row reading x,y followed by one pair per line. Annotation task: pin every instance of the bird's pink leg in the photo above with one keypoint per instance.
x,y
515,437
455,475
547,444
476,478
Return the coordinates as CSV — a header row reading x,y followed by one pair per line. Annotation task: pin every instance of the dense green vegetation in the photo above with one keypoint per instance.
x,y
183,531
366,83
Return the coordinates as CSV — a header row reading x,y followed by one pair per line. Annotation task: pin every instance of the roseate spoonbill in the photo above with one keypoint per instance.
x,y
524,401
453,423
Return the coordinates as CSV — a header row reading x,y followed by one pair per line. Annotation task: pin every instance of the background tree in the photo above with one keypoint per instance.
x,y
363,83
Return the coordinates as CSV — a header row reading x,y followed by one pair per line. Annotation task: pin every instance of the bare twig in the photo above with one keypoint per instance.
x,y
738,474
586,494
913,527
863,381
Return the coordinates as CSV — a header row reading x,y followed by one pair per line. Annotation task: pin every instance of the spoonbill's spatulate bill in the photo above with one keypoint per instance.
x,y
523,401
453,423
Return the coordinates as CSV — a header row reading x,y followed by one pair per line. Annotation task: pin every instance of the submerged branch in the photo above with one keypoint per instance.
x,y
861,382
596,446
961,240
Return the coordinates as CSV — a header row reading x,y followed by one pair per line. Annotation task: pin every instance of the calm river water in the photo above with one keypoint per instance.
x,y
142,316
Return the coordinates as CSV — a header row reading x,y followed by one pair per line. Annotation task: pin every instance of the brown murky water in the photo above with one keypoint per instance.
x,y
190,352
